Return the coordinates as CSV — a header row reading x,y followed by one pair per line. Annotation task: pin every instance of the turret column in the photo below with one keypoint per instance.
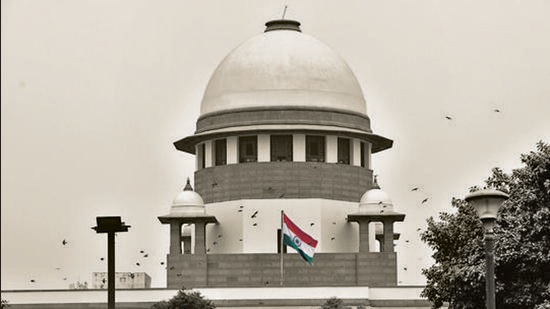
x,y
388,236
175,237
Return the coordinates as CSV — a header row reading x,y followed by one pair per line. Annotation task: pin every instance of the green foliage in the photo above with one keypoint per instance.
x,y
334,303
522,253
185,299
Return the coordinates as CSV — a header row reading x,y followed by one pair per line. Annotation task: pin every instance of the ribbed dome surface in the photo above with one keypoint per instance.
x,y
283,68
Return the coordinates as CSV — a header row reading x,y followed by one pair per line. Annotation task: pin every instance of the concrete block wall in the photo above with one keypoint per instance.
x,y
273,180
257,270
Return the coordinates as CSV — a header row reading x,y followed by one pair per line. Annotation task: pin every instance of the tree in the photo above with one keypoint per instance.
x,y
522,248
334,303
185,299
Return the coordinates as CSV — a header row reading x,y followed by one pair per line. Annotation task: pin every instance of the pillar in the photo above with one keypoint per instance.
x,y
299,147
200,238
388,236
331,155
364,236
186,244
175,238
232,152
264,148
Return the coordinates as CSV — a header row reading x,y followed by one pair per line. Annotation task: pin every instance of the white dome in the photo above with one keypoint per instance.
x,y
187,203
283,68
375,200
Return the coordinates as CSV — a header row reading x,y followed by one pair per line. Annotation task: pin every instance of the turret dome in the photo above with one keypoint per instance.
x,y
187,203
375,199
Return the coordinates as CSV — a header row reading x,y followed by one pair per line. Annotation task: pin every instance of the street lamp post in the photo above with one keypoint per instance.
x,y
487,204
110,225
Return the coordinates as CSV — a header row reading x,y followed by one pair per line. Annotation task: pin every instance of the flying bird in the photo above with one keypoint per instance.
x,y
254,214
496,110
172,267
240,210
333,222
32,280
102,259
425,200
448,117
146,255
404,268
215,243
132,276
381,211
240,239
414,189
64,242
255,224
407,241
161,263
64,278
282,195
179,275
137,264
332,238
219,235
103,280
311,224
418,229
241,206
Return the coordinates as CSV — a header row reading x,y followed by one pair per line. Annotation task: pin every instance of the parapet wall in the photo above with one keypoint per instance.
x,y
263,269
272,180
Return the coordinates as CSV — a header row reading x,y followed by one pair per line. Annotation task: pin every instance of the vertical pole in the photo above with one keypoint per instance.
x,y
111,270
490,273
281,245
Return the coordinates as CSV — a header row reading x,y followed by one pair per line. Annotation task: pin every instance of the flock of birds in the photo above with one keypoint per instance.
x,y
254,215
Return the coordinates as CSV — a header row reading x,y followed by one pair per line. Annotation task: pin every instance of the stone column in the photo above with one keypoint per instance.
x,y
175,238
186,244
364,236
388,235
200,238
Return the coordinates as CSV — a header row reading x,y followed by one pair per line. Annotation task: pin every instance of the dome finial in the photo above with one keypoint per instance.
x,y
282,24
188,186
284,12
375,183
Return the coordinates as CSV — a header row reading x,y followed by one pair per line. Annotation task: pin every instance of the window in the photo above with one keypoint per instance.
x,y
343,150
248,149
201,156
220,149
315,148
363,161
281,148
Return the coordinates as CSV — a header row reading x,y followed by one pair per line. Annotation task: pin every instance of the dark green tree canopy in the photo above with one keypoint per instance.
x,y
185,299
522,253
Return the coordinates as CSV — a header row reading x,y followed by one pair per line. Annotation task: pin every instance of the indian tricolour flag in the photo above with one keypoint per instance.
x,y
294,237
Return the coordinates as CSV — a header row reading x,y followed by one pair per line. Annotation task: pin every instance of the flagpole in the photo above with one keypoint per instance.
x,y
281,247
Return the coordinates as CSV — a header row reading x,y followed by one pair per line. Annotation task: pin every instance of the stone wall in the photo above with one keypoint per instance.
x,y
271,180
263,269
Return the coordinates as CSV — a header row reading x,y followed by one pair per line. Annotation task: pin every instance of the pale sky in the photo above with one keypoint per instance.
x,y
95,92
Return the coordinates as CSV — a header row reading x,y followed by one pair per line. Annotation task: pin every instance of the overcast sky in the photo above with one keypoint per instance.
x,y
95,92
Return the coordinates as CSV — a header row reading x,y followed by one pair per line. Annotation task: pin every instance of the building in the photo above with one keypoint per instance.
x,y
283,127
123,280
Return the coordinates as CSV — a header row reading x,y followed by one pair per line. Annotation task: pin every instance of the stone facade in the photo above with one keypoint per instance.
x,y
263,269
